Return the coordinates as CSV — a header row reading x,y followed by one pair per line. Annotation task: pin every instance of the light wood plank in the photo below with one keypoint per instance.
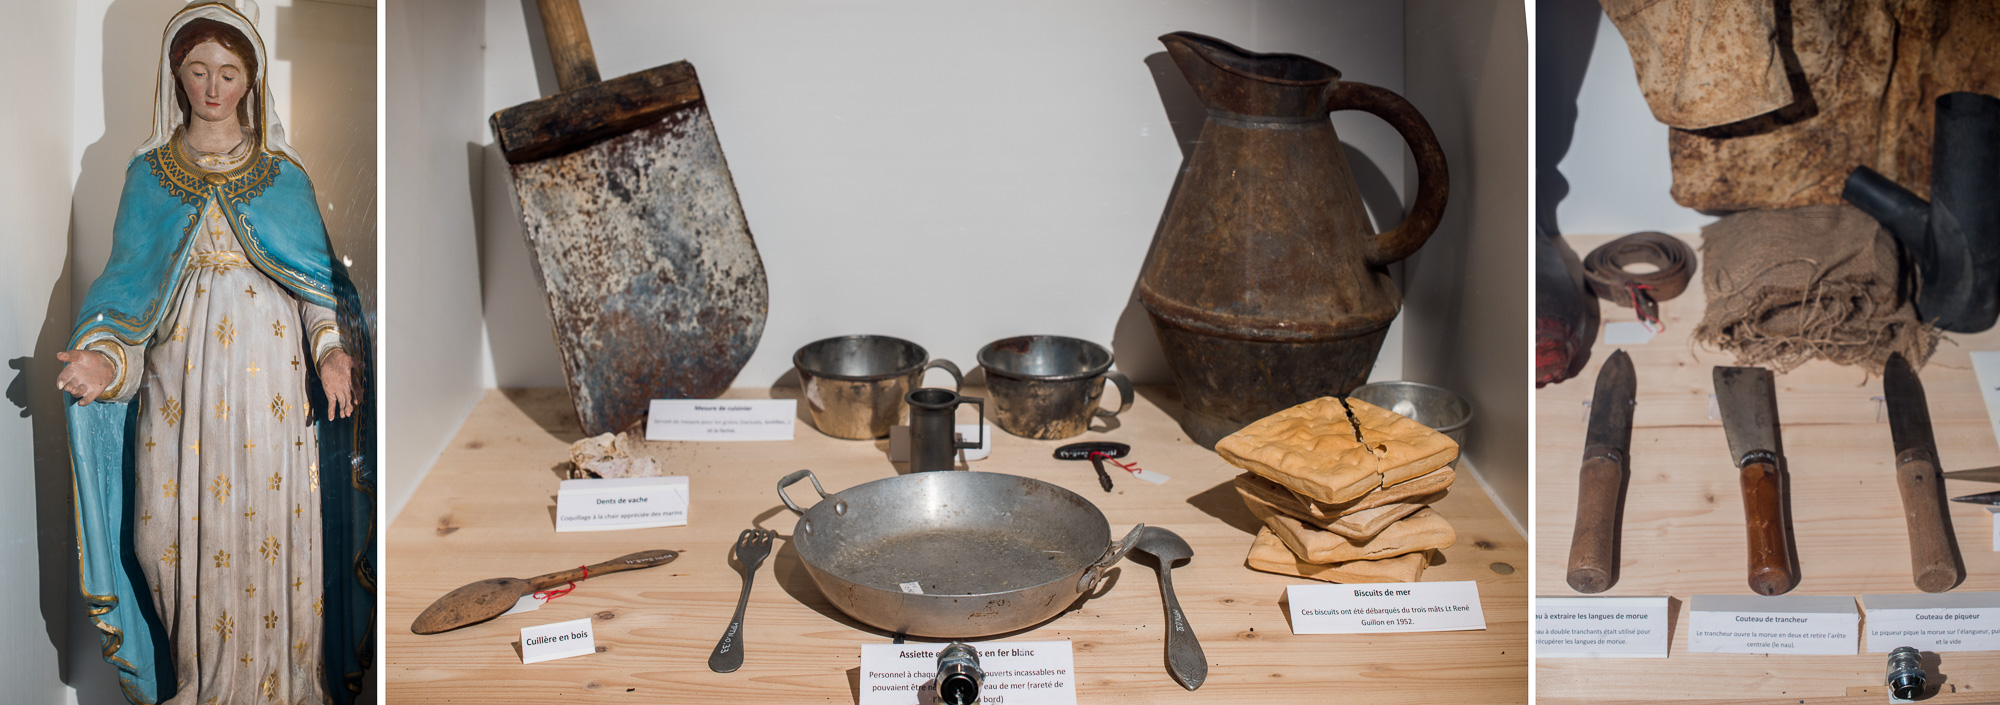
x,y
1683,529
484,511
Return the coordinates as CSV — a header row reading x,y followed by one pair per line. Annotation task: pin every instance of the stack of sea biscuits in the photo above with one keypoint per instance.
x,y
1340,509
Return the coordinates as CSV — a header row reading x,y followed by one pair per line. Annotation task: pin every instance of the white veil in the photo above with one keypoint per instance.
x,y
167,115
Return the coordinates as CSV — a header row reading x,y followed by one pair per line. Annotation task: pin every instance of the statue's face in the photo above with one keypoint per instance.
x,y
215,81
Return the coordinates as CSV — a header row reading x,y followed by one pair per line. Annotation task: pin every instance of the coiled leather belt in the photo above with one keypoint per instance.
x,y
1605,267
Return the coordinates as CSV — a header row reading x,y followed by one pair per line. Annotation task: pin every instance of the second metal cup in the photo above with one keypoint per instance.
x,y
1048,386
854,385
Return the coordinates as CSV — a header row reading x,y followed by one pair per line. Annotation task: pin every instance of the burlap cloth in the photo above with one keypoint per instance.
x,y
1788,286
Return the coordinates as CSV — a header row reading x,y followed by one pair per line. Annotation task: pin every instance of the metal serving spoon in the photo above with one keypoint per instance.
x,y
1184,658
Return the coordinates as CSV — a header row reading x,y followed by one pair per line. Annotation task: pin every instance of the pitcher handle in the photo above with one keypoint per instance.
x,y
957,377
1433,179
981,403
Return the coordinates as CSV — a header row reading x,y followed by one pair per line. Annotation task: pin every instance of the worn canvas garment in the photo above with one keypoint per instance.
x,y
1421,531
1311,449
1863,76
1270,555
1818,282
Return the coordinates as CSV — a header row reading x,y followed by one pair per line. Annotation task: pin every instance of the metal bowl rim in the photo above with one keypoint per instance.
x,y
798,361
986,351
1462,401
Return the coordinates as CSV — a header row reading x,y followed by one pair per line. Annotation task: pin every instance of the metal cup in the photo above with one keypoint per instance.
x,y
854,385
1048,386
934,442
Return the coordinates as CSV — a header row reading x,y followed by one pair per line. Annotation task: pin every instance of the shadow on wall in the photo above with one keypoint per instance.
x,y
1559,71
1133,343
331,52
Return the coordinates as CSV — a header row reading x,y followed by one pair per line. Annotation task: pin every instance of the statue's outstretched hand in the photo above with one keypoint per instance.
x,y
336,373
85,374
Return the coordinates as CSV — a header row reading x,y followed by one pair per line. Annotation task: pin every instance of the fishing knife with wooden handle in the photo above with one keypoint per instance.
x,y
1934,563
1749,404
1593,549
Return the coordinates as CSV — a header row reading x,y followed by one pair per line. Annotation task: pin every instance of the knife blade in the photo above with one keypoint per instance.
x,y
1975,475
1593,548
1933,549
1749,404
1991,499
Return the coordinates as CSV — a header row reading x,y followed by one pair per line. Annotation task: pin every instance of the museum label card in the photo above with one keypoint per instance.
x,y
1628,333
1601,627
1385,607
560,640
1017,673
1955,621
621,503
721,419
1786,624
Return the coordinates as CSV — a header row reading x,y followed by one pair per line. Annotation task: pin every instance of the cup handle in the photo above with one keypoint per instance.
x,y
981,403
957,377
1124,394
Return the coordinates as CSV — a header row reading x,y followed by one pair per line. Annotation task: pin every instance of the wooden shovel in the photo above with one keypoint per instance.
x,y
487,599
655,288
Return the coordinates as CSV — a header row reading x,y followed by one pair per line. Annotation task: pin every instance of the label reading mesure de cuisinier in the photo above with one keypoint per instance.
x,y
1601,627
1786,624
1017,673
1959,621
721,419
1385,607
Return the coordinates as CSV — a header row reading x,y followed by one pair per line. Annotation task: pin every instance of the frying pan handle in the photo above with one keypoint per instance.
x,y
1111,556
793,479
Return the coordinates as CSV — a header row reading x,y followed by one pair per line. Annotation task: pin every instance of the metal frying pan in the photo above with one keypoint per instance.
x,y
953,554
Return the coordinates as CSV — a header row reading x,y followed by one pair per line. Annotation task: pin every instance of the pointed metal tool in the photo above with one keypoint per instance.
x,y
1749,404
1976,475
1933,552
1593,548
1988,499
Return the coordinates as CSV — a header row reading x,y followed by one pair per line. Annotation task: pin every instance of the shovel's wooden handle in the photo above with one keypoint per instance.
x,y
569,44
1933,561
1593,549
635,561
1764,516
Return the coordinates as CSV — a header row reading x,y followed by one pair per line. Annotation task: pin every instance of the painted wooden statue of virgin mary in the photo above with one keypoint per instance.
x,y
221,431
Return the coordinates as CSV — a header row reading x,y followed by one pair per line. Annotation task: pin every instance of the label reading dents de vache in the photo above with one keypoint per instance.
x,y
621,503
1017,673
1953,621
1786,624
721,419
1601,627
559,640
1385,607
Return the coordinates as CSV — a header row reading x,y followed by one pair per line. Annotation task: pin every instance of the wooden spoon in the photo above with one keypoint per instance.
x,y
491,598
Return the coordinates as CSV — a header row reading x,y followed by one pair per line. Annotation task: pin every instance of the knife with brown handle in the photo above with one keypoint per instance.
x,y
1749,404
1593,548
1934,563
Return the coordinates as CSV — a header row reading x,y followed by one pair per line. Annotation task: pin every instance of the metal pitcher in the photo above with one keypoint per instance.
x,y
934,443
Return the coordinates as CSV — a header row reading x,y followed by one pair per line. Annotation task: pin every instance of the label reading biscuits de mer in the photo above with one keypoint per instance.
x,y
1385,607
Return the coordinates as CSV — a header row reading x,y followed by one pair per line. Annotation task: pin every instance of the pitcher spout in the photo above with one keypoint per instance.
x,y
1235,80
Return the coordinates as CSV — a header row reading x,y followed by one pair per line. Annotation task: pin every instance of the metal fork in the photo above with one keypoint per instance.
x,y
751,549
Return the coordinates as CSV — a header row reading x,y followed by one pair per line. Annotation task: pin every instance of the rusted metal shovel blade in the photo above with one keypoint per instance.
x,y
655,286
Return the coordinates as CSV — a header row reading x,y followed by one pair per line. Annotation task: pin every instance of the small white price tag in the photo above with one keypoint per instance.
x,y
1786,624
1628,333
721,419
1995,513
527,603
1150,476
1957,621
899,442
559,640
1385,607
621,503
1601,627
913,587
1017,673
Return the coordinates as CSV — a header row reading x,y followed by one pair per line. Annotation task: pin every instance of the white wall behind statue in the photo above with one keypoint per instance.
x,y
950,173
322,78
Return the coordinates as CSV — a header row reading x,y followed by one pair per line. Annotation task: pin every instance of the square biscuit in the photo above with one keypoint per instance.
x,y
1311,449
1268,554
1305,507
1422,531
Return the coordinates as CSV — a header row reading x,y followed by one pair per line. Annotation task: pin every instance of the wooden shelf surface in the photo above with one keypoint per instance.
x,y
485,511
1684,522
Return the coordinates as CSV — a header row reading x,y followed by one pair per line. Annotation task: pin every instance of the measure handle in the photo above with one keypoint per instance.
x,y
1433,179
569,44
1764,516
1593,549
1933,557
634,561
